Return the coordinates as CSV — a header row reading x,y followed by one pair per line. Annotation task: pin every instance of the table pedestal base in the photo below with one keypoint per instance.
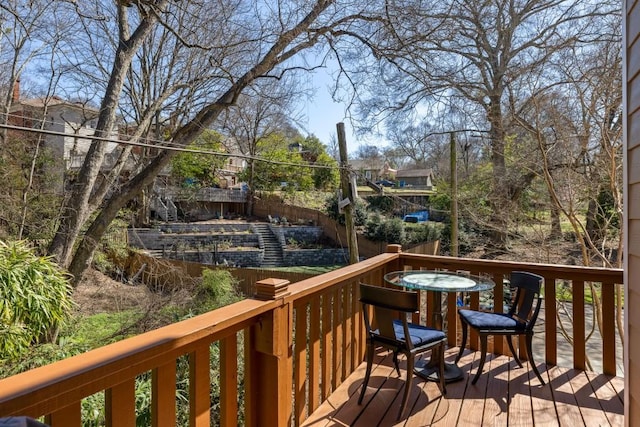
x,y
429,371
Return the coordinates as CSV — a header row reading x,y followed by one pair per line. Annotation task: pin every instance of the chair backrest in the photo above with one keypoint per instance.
x,y
527,301
387,303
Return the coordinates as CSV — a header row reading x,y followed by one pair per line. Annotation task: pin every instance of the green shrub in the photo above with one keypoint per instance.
x,y
35,298
383,204
360,214
424,232
217,289
391,230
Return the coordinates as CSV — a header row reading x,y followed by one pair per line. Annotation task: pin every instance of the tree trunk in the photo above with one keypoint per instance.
x,y
592,228
499,194
76,210
251,192
556,231
91,239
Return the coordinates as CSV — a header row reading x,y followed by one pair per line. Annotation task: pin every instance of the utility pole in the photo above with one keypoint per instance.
x,y
348,201
454,195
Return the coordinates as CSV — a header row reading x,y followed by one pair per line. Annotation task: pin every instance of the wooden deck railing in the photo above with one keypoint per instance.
x,y
299,344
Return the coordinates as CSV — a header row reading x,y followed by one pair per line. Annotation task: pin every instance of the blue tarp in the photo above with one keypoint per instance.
x,y
420,216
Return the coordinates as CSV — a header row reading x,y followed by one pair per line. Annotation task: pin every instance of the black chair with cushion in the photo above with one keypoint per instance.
x,y
389,328
519,320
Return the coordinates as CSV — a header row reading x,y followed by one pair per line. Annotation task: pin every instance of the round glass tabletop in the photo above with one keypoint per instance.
x,y
439,281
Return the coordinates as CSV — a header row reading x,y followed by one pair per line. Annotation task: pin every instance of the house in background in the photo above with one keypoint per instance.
x,y
227,175
367,169
418,178
76,120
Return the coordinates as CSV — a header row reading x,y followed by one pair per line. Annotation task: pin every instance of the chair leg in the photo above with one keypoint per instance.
x,y
483,355
370,350
530,356
395,361
464,340
513,350
407,383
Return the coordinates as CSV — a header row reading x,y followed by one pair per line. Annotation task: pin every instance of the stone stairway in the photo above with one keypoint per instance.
x,y
272,247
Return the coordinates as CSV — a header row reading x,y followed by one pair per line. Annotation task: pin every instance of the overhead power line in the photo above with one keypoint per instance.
x,y
166,145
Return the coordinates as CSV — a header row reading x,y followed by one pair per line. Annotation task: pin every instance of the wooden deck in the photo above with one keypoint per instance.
x,y
505,395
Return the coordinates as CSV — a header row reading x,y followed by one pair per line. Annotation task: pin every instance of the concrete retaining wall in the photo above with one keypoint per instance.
x,y
153,239
315,257
244,258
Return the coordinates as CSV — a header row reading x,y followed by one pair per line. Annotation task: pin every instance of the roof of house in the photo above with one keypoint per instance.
x,y
368,164
51,102
413,173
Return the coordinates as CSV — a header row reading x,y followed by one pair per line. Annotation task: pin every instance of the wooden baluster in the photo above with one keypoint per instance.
x,y
474,337
356,326
452,318
163,396
69,416
300,363
229,381
550,327
120,404
314,355
327,299
608,329
336,378
347,332
498,307
199,386
579,344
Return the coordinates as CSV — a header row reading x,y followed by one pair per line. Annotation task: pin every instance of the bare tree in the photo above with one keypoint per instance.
x,y
577,126
257,42
264,109
24,28
467,56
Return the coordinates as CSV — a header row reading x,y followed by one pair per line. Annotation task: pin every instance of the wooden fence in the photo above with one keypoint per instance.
x,y
167,273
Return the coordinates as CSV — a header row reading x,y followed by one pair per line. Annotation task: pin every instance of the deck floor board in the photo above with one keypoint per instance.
x,y
505,395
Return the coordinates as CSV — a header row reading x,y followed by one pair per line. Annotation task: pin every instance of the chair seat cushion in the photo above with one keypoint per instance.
x,y
420,335
490,321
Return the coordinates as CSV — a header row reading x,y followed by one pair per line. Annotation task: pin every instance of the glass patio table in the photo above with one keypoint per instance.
x,y
438,282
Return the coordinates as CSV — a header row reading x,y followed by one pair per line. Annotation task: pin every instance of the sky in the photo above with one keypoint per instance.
x,y
322,114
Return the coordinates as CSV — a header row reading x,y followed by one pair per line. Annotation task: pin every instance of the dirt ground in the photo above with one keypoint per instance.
x,y
98,293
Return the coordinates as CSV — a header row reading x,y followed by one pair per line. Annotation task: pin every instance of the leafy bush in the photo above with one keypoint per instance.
x,y
113,248
385,230
35,298
197,169
360,214
383,204
217,289
425,232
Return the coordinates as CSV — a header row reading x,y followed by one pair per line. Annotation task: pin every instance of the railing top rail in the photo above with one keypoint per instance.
x,y
595,274
107,366
316,284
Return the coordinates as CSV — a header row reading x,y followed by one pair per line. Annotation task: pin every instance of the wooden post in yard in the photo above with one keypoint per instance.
x,y
347,194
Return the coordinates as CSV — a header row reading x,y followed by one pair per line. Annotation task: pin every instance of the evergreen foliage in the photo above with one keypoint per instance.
x,y
35,298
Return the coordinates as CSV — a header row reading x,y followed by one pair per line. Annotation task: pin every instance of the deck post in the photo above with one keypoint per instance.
x,y
269,360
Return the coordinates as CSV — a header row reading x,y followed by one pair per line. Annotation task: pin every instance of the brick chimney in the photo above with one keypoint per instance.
x,y
16,90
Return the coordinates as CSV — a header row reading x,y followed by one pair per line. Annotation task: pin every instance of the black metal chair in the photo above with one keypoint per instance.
x,y
519,320
393,331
